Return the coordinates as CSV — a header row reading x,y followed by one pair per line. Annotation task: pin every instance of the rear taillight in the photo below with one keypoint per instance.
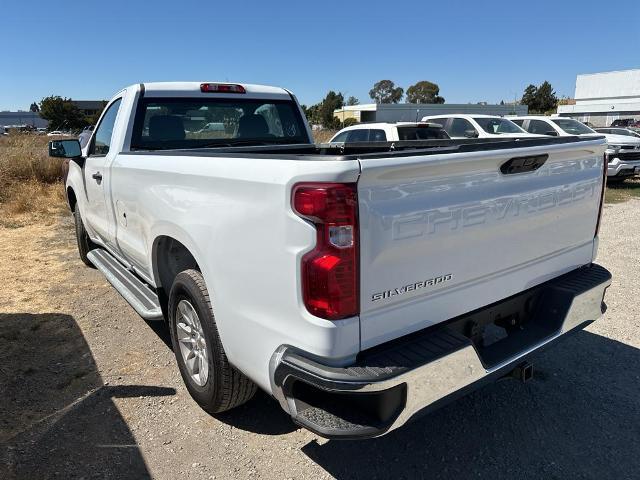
x,y
330,270
604,187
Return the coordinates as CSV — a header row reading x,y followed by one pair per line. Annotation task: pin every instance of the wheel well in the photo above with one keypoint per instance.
x,y
170,258
71,198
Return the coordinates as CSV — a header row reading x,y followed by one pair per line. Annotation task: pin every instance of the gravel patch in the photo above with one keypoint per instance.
x,y
90,390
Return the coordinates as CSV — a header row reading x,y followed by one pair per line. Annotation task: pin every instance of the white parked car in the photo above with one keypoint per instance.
x,y
625,132
55,133
477,126
623,151
389,132
359,287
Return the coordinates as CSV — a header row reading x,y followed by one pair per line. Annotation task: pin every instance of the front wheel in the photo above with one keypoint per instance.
x,y
85,245
212,382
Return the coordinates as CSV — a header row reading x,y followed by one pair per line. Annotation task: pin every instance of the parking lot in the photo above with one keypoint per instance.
x,y
92,391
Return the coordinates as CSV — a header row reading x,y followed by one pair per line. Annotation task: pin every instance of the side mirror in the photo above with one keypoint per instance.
x,y
471,133
65,148
551,133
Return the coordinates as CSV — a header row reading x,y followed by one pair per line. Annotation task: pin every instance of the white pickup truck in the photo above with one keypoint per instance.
x,y
358,284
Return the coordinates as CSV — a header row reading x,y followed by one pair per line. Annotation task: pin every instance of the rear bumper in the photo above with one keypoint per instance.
x,y
391,383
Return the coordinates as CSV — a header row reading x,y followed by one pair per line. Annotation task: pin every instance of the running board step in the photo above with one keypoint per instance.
x,y
140,296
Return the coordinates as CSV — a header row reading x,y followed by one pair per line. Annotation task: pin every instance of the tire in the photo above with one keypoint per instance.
x,y
616,180
224,387
85,245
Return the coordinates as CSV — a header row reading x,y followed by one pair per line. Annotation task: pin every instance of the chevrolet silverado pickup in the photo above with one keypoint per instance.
x,y
359,284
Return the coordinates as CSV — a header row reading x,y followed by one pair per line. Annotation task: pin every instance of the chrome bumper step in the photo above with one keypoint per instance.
x,y
133,290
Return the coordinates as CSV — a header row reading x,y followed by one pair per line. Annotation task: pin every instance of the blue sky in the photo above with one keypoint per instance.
x,y
476,51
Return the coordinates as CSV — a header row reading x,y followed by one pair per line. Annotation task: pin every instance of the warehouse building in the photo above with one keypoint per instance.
x,y
602,98
410,112
21,119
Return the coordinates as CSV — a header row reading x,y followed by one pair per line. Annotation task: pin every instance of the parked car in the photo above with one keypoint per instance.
x,y
623,122
623,152
627,132
477,126
55,133
389,132
357,284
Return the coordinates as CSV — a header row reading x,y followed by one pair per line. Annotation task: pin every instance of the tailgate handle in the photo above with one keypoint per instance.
x,y
529,163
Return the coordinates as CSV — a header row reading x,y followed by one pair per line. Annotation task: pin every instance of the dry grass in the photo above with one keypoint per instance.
x,y
621,192
323,136
30,188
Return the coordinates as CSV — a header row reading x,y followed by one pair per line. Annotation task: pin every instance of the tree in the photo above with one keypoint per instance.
x,y
540,99
353,101
529,98
349,121
34,107
333,101
424,92
93,119
61,113
385,91
545,98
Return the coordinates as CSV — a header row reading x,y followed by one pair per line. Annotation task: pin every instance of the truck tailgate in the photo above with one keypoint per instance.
x,y
445,234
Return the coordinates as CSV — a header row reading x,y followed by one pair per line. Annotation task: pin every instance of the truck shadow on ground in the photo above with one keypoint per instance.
x,y
57,417
579,418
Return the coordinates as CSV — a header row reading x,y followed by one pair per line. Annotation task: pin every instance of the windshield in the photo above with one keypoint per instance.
x,y
498,126
182,123
572,127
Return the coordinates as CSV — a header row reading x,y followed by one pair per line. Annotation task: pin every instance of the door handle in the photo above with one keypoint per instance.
x,y
97,177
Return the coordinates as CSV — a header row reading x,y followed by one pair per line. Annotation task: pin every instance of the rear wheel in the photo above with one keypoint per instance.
x,y
85,245
212,382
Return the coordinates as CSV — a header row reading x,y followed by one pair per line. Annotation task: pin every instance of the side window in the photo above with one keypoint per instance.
x,y
104,131
360,135
459,127
539,126
518,122
376,135
340,137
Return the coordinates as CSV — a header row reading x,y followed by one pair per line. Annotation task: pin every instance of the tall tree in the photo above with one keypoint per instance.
x,y
529,98
34,107
546,99
61,113
353,101
333,101
424,92
385,91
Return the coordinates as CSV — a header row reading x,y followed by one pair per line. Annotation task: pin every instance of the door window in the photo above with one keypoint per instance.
x,y
361,135
376,135
460,128
341,137
540,127
104,132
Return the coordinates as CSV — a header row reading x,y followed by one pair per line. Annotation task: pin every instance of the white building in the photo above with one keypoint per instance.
x,y
604,97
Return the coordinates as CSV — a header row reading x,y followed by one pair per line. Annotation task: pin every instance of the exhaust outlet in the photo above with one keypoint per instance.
x,y
523,372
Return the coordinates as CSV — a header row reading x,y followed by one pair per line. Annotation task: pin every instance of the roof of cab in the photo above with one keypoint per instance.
x,y
193,88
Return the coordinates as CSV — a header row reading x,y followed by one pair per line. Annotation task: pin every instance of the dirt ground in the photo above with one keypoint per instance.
x,y
89,390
